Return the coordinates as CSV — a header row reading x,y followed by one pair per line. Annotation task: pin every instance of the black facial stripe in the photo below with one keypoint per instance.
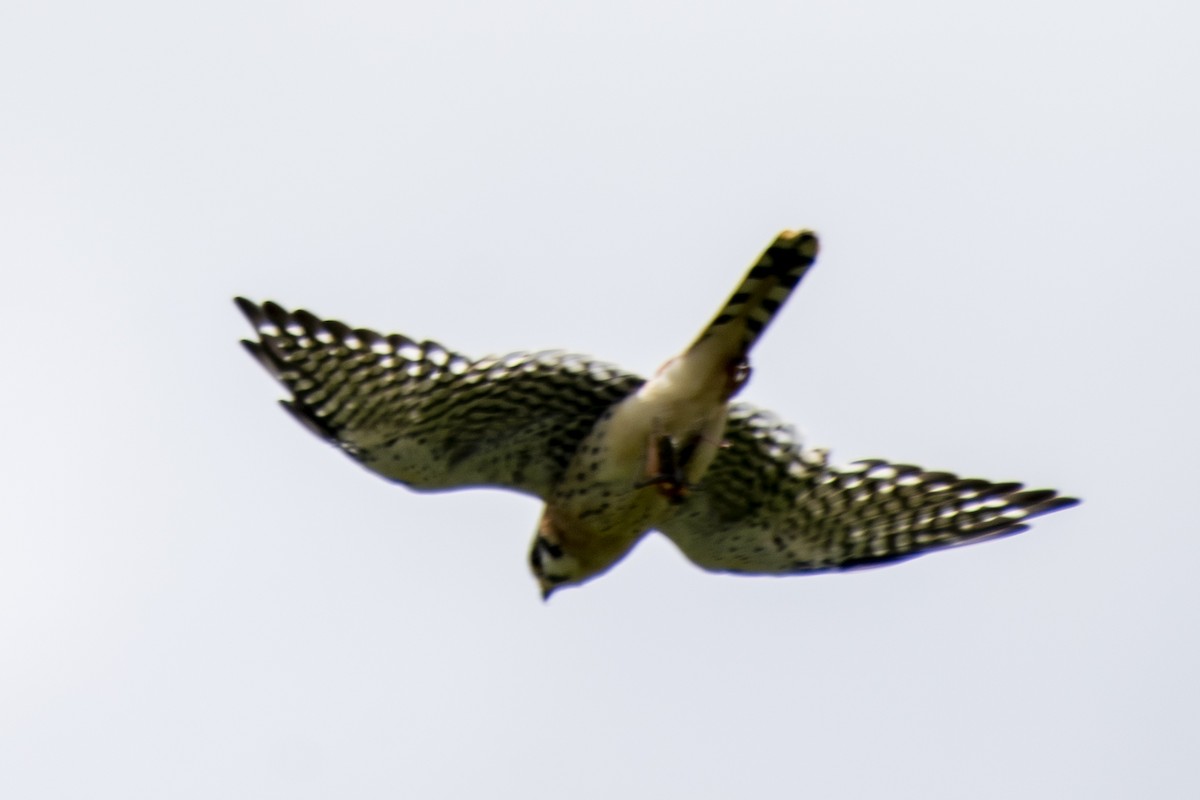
x,y
550,548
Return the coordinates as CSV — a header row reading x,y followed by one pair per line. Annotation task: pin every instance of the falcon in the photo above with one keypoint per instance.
x,y
614,456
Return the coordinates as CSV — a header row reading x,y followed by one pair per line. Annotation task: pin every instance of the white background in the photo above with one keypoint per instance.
x,y
199,600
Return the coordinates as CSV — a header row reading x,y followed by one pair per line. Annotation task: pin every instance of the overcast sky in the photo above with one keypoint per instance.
x,y
198,599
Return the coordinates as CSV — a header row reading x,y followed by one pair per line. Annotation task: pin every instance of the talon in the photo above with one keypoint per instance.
x,y
738,374
664,468
670,488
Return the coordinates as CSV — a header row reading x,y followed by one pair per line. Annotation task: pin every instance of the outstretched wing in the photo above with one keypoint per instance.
x,y
430,418
766,505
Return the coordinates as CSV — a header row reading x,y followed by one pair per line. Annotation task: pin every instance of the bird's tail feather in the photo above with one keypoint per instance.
x,y
762,292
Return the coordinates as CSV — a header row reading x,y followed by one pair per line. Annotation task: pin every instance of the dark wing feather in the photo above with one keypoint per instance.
x,y
430,418
766,505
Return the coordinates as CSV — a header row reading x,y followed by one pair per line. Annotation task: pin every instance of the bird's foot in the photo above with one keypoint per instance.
x,y
665,468
737,375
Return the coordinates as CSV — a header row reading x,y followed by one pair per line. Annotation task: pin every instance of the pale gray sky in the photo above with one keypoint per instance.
x,y
200,600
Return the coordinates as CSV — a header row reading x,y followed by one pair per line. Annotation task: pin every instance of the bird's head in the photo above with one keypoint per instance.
x,y
550,559
567,552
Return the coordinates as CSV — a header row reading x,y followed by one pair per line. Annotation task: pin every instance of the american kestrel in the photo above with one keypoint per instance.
x,y
615,456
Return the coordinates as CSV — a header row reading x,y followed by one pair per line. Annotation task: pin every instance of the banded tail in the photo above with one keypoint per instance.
x,y
764,290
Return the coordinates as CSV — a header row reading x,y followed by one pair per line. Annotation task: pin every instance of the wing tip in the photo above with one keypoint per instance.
x,y
248,307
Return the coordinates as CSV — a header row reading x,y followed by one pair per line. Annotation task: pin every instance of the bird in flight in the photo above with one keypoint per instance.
x,y
615,456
